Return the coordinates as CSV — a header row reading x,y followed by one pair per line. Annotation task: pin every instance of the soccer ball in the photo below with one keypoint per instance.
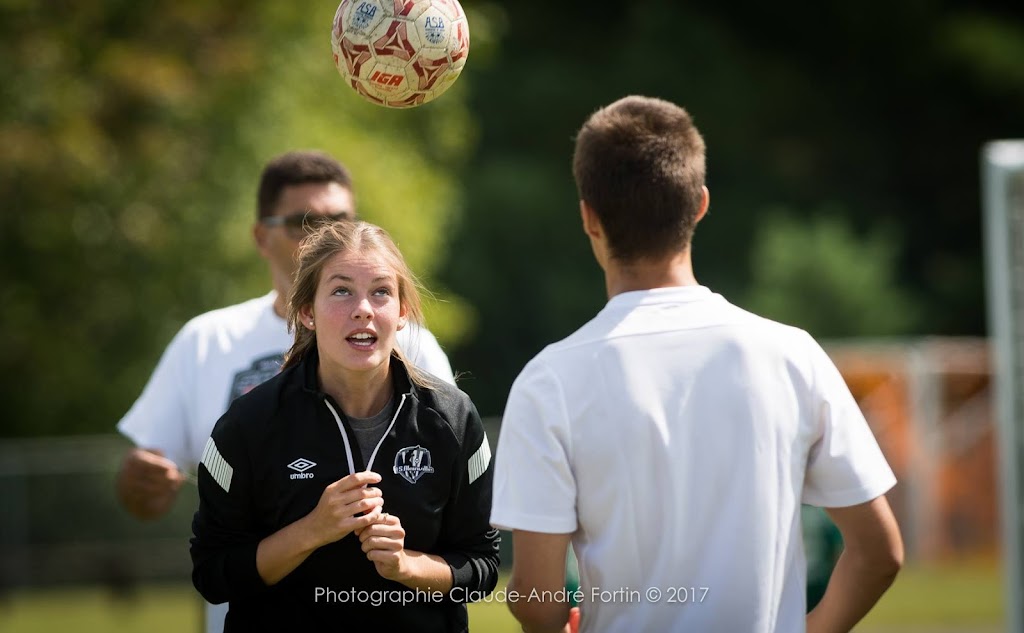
x,y
400,53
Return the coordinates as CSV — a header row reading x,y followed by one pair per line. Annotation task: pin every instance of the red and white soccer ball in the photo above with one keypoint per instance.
x,y
400,53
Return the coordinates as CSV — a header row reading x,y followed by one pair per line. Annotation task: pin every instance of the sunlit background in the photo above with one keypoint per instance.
x,y
843,163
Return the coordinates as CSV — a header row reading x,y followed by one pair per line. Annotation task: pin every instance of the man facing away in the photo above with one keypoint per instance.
x,y
673,438
219,355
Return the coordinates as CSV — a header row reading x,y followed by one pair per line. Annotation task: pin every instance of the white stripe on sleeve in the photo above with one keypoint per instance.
x,y
480,460
217,466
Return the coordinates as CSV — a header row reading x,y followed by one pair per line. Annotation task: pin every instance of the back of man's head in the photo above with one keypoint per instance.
x,y
639,164
297,168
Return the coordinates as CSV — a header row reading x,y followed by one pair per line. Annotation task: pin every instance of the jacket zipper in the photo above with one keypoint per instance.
x,y
348,446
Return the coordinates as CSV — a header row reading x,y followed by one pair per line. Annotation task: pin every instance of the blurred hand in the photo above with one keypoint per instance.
x,y
148,483
345,506
384,544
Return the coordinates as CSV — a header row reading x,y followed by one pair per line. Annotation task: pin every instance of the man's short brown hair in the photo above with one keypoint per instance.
x,y
639,164
297,168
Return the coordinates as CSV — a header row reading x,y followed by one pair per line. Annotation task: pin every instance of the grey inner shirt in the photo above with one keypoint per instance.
x,y
368,431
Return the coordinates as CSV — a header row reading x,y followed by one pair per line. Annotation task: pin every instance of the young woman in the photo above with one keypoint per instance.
x,y
352,487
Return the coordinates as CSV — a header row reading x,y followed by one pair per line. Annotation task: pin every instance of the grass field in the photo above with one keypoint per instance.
x,y
961,599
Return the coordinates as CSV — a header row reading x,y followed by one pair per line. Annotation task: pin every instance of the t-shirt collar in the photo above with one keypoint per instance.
x,y
655,296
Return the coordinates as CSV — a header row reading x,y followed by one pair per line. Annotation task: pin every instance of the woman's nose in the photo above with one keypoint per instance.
x,y
363,310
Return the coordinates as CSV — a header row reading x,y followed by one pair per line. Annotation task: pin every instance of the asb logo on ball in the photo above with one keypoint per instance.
x,y
363,15
434,28
400,53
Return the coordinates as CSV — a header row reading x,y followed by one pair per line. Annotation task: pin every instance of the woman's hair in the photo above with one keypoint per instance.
x,y
349,237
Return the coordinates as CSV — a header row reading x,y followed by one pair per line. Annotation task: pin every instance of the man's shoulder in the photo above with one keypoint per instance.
x,y
715,319
231,326
253,411
776,331
248,310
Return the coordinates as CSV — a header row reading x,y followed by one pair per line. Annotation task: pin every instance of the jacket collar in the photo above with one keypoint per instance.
x,y
307,369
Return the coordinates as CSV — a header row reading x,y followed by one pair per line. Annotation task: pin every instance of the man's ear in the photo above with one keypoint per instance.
x,y
591,225
259,235
705,203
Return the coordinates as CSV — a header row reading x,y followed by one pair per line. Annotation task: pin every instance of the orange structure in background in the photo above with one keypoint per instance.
x,y
930,404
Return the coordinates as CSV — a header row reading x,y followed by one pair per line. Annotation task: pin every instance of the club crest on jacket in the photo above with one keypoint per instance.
x,y
412,462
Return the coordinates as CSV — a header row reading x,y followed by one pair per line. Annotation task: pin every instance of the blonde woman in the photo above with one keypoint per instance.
x,y
352,487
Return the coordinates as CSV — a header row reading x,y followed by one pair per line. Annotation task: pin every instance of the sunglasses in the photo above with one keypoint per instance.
x,y
299,225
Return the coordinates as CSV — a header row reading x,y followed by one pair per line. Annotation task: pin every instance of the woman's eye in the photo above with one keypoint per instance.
x,y
383,291
340,291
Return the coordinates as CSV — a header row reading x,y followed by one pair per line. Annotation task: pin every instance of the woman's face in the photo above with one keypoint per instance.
x,y
356,313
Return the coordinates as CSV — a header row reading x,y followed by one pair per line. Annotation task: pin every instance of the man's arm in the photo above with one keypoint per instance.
x,y
147,483
538,568
872,557
157,424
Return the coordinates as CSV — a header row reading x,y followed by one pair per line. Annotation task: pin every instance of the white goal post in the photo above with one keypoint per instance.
x,y
1002,166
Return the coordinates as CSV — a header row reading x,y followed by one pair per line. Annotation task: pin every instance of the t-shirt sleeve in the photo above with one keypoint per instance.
x,y
159,417
845,464
534,485
422,349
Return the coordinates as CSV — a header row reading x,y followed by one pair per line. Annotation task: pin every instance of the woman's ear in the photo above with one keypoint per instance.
x,y
403,316
306,318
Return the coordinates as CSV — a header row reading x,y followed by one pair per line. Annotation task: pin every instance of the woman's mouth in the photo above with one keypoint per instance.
x,y
362,339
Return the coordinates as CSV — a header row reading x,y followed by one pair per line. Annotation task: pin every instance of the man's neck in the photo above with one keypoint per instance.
x,y
675,270
281,300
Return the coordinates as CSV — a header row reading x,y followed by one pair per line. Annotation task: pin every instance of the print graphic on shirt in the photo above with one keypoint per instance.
x,y
412,462
262,370
301,465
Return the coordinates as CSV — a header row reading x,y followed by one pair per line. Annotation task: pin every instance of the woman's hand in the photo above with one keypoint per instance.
x,y
340,510
384,544
347,505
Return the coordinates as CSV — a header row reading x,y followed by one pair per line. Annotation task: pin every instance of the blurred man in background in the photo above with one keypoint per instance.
x,y
219,355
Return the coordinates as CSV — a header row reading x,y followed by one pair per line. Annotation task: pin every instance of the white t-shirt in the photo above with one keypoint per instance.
x,y
675,436
213,359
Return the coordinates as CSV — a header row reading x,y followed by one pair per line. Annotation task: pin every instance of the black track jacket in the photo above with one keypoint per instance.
x,y
265,466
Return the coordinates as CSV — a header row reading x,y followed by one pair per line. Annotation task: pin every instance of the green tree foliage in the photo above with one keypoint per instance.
x,y
820,276
131,138
876,109
131,135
